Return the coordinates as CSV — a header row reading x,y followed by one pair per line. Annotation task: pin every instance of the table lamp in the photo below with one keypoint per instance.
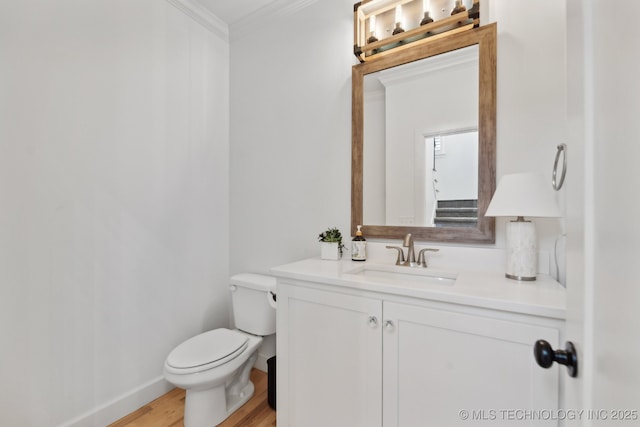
x,y
522,195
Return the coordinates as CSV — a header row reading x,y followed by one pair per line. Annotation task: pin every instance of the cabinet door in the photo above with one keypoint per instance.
x,y
439,364
329,359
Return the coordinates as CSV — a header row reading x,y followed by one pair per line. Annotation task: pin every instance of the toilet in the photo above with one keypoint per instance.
x,y
214,367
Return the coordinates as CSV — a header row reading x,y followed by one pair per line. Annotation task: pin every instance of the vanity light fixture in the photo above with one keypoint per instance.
x,y
426,9
522,195
427,18
398,28
372,29
382,26
459,7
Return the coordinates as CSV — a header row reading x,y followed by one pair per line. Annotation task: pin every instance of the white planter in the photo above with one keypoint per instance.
x,y
329,250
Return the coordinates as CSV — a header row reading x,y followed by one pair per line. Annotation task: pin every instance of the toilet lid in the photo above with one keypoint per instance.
x,y
218,345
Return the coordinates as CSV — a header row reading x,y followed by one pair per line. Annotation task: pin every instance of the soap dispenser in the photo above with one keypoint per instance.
x,y
359,247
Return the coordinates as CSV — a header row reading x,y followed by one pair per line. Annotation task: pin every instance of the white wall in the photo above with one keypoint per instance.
x,y
532,86
457,166
291,111
113,202
290,133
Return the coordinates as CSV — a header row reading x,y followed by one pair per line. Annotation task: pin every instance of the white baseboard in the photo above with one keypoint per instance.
x,y
129,402
121,406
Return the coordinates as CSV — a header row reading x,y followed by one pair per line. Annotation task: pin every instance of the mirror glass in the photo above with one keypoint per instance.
x,y
421,150
423,140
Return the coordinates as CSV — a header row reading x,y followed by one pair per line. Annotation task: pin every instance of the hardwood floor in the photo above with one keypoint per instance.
x,y
167,410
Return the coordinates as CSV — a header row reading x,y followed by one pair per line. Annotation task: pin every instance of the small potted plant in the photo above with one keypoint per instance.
x,y
331,244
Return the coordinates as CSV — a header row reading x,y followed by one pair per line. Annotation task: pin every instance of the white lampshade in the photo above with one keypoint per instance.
x,y
520,195
523,194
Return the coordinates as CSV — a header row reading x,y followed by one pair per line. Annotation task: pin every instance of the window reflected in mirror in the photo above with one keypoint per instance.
x,y
409,110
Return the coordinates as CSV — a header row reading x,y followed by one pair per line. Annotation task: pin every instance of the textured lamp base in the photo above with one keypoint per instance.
x,y
522,250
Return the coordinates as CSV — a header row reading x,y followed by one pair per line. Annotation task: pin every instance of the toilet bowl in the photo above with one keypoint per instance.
x,y
214,367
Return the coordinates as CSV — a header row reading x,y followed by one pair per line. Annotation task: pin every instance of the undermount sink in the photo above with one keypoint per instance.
x,y
401,274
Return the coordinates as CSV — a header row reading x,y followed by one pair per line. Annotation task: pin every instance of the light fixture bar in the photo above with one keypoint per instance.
x,y
367,48
376,7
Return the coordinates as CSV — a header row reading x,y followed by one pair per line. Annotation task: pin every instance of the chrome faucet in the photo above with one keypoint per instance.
x,y
411,253
410,260
400,259
422,259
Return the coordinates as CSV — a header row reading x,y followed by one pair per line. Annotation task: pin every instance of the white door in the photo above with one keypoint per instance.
x,y
603,210
446,368
330,358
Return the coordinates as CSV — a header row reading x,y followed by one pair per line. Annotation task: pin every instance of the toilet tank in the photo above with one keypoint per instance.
x,y
252,296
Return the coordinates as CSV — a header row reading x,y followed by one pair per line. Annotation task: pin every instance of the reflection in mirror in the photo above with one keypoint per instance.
x,y
408,111
441,93
450,186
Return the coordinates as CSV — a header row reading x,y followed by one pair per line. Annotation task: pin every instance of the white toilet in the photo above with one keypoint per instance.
x,y
214,367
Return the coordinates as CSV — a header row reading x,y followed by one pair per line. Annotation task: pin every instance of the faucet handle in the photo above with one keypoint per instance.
x,y
422,259
411,254
400,259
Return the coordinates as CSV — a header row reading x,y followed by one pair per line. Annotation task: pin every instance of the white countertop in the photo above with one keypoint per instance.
x,y
543,297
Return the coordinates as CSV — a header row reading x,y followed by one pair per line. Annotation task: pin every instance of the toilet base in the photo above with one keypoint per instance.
x,y
235,402
208,408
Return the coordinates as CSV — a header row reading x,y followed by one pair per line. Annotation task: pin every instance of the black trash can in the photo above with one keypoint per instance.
x,y
271,381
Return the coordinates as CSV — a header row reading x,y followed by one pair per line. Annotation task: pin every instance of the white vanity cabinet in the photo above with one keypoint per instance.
x,y
439,363
352,356
329,364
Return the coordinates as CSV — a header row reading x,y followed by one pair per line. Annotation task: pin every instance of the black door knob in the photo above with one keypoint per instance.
x,y
545,356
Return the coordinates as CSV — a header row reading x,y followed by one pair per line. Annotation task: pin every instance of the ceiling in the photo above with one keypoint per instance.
x,y
231,11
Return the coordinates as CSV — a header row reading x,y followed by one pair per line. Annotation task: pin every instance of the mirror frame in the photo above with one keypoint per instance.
x,y
484,232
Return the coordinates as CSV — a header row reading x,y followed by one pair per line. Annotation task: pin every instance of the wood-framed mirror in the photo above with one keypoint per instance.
x,y
399,155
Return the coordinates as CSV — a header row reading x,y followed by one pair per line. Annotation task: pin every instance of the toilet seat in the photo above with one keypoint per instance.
x,y
206,351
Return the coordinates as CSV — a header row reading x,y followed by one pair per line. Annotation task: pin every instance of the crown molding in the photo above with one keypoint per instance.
x,y
203,16
276,9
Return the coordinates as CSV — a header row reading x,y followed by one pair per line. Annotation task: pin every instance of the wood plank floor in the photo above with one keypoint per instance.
x,y
168,410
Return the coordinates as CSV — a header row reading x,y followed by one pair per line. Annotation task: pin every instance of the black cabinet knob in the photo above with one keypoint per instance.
x,y
545,356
